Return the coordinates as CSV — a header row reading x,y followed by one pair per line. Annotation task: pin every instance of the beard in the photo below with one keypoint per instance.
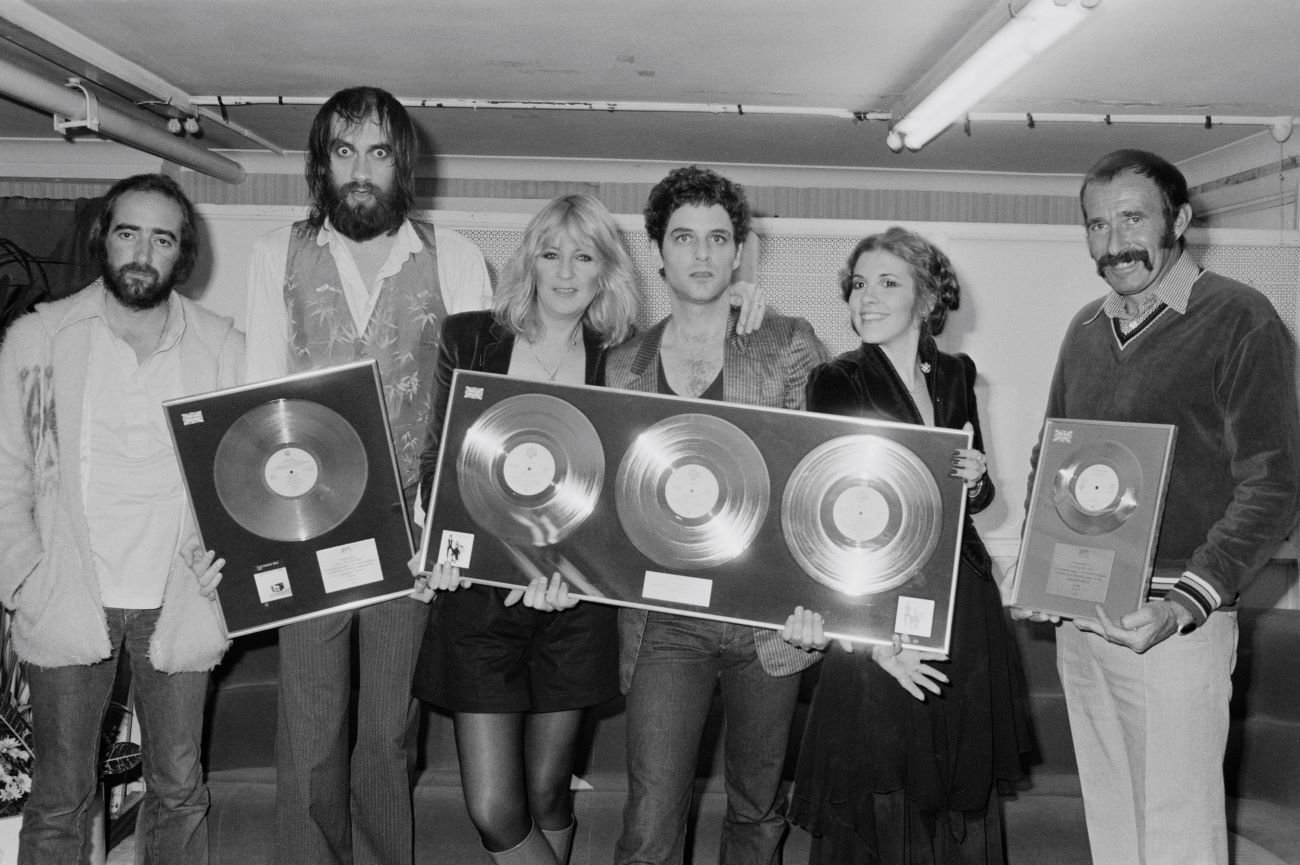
x,y
138,286
362,222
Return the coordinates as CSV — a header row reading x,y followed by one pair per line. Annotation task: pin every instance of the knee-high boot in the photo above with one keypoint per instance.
x,y
561,841
533,850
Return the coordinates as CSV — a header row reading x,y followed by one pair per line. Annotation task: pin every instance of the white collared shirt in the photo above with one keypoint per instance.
x,y
462,278
131,481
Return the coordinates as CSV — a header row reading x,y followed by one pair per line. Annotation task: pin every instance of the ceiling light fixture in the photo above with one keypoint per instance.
x,y
1001,43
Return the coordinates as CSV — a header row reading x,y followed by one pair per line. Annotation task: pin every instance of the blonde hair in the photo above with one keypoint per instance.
x,y
586,221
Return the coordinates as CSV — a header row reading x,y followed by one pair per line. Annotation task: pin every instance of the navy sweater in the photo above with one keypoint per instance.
x,y
1223,374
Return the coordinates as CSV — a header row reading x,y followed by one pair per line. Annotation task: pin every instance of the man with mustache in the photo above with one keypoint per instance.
x,y
98,552
1172,343
356,279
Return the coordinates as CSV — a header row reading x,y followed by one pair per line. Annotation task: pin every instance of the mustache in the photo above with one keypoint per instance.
x,y
1123,257
139,270
355,186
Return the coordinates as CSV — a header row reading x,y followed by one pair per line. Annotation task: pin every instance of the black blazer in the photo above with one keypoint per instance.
x,y
863,383
477,341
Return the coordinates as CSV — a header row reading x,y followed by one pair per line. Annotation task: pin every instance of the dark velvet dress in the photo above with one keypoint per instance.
x,y
882,776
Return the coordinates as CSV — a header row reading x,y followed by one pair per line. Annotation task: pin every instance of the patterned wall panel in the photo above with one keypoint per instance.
x,y
800,274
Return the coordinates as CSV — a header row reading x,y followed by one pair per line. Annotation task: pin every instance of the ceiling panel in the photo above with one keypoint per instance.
x,y
1131,56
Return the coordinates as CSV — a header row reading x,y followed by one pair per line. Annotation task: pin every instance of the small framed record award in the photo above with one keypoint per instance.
x,y
1094,517
294,483
707,509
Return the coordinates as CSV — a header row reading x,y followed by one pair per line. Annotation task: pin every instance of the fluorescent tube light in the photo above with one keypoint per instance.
x,y
1002,43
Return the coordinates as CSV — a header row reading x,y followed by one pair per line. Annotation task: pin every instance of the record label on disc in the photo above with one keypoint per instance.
x,y
528,469
861,514
1096,487
291,472
691,491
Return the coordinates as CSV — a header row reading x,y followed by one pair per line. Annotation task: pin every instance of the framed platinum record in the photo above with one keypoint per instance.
x,y
1094,517
294,483
701,508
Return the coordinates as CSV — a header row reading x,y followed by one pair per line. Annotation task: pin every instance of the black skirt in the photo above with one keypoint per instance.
x,y
868,738
479,655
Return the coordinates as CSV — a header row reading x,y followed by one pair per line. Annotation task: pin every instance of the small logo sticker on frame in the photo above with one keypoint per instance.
x,y
457,548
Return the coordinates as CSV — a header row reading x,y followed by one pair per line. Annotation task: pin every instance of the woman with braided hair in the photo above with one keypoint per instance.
x,y
910,774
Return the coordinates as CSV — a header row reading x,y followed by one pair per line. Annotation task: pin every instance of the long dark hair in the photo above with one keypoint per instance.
x,y
353,107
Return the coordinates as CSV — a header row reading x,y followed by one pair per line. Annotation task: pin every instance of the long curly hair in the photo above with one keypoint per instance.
x,y
937,288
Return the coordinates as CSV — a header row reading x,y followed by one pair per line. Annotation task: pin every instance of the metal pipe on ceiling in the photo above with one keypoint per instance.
x,y
18,83
85,49
1279,125
561,105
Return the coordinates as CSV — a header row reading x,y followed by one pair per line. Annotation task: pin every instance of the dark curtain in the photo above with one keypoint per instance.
x,y
44,253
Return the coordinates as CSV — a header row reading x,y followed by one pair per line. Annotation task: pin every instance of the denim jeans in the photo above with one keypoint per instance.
x,y
680,663
68,709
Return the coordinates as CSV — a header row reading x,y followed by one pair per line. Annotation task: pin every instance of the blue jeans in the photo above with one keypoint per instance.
x,y
680,663
68,709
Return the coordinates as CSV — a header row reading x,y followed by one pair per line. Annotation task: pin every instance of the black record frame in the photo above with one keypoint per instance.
x,y
307,524
678,505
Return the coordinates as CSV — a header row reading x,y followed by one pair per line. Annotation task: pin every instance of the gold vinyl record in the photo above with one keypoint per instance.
x,y
861,514
1098,487
530,469
692,491
290,470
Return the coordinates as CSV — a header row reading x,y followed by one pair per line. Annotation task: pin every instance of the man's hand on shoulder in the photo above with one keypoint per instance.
x,y
749,297
1150,624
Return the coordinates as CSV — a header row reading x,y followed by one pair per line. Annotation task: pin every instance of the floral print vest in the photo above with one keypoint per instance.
x,y
402,334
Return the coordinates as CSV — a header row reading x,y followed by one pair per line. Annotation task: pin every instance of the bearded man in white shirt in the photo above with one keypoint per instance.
x,y
99,555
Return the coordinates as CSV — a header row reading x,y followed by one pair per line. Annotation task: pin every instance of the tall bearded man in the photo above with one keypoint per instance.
x,y
356,279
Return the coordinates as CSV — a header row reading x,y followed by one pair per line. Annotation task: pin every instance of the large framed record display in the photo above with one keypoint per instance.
x,y
703,508
294,483
1094,517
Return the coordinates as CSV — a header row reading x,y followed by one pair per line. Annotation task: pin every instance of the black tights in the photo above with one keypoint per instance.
x,y
515,769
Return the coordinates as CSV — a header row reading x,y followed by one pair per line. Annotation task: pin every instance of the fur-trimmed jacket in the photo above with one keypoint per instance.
x,y
47,575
